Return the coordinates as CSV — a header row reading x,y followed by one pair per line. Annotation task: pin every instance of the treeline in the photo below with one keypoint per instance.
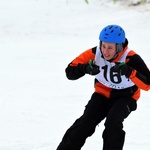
x,y
129,2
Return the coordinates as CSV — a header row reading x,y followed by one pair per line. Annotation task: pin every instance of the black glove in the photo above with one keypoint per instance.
x,y
123,69
91,68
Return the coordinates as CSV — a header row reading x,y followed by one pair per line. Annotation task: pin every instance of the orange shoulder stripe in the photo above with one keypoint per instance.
x,y
83,58
131,53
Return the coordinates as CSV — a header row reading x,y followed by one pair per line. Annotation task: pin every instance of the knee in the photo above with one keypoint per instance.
x,y
113,122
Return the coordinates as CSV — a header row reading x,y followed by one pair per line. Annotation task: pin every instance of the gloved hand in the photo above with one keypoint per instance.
x,y
91,68
123,69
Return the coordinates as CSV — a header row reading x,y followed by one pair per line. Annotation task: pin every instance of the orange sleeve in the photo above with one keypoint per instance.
x,y
76,69
140,74
139,82
83,58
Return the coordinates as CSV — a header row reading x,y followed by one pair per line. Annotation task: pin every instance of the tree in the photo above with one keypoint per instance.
x,y
87,1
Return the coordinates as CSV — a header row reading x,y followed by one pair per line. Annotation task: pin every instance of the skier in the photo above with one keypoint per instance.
x,y
120,73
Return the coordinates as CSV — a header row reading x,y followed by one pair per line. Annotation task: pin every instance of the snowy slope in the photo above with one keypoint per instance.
x,y
38,38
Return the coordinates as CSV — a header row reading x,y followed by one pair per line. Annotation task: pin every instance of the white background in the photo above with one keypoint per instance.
x,y
38,38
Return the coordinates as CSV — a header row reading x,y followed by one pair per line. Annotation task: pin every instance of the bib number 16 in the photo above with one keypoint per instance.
x,y
115,77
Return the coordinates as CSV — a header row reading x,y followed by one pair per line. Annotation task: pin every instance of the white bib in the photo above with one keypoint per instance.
x,y
111,79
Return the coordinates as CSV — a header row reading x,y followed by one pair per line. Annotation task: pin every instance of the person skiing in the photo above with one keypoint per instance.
x,y
120,73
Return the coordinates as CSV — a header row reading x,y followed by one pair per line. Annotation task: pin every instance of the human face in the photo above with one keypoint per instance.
x,y
108,50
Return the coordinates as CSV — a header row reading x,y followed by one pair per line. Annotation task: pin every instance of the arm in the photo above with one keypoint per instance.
x,y
76,68
140,74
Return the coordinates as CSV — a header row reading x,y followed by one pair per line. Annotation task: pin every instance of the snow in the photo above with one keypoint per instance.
x,y
38,38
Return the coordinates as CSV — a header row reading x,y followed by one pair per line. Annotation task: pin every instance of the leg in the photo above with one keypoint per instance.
x,y
113,134
85,126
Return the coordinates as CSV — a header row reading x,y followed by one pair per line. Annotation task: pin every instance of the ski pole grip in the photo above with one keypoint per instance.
x,y
91,63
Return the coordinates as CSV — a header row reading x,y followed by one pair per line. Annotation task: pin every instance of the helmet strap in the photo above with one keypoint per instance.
x,y
119,47
118,50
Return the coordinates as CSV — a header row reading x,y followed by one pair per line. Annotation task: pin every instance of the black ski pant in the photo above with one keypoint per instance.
x,y
99,107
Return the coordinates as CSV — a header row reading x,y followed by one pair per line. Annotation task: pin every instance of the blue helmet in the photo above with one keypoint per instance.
x,y
112,34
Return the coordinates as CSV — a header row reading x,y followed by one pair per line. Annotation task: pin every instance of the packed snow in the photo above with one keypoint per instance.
x,y
38,38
